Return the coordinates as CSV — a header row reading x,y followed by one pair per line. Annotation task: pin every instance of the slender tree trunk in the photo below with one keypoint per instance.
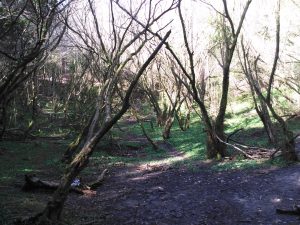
x,y
55,206
180,119
73,146
167,127
219,123
3,120
288,145
153,144
266,120
262,111
34,106
53,210
187,121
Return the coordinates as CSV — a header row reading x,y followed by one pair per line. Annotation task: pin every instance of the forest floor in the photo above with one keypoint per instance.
x,y
160,191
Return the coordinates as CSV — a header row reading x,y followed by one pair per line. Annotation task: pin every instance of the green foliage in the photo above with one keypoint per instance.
x,y
191,141
104,158
237,164
27,157
43,157
241,164
222,33
17,159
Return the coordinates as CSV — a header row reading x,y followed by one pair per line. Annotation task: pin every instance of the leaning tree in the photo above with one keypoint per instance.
x,y
110,57
263,102
230,34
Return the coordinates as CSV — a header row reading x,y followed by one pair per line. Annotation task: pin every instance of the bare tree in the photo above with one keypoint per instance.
x,y
251,70
110,58
54,207
214,128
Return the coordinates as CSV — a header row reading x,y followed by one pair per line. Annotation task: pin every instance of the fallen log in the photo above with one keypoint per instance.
x,y
236,148
33,182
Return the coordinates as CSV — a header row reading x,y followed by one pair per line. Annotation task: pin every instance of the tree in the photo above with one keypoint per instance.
x,y
215,128
254,80
166,93
29,31
251,70
54,207
109,62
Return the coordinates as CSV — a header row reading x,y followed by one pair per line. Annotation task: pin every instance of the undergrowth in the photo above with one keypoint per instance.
x,y
42,156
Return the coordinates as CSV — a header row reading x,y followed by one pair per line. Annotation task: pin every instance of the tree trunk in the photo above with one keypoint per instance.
x,y
160,119
73,146
167,127
266,120
54,207
183,121
187,121
288,145
219,147
263,111
153,144
3,121
215,148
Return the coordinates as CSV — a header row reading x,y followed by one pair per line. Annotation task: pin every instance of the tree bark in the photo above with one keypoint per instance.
x,y
167,127
3,121
266,120
53,210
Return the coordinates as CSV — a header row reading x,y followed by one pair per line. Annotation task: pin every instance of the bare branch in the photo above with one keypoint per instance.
x,y
276,57
236,148
227,15
214,8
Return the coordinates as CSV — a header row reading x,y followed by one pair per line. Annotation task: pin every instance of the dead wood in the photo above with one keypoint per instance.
x,y
251,152
33,182
236,148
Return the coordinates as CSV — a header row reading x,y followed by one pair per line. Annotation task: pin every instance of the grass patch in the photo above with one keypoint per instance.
x,y
149,155
192,141
27,157
18,159
241,164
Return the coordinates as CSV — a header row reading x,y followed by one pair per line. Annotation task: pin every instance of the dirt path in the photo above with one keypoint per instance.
x,y
159,194
156,193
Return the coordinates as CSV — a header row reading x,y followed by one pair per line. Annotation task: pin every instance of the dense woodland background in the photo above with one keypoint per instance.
x,y
215,80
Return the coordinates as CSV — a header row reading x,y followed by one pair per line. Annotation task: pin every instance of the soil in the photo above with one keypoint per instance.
x,y
160,194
